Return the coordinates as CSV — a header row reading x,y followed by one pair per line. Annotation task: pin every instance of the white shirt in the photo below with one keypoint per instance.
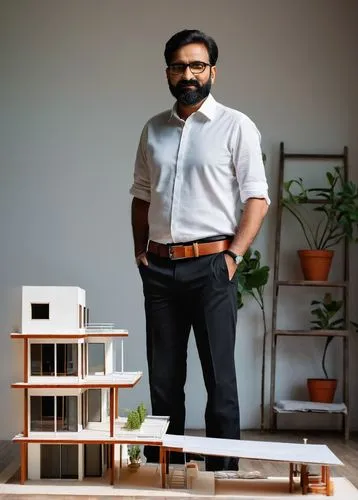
x,y
194,172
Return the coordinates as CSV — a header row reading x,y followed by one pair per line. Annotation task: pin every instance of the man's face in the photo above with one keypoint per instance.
x,y
188,88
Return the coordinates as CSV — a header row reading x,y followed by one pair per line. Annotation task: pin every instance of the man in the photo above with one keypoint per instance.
x,y
193,164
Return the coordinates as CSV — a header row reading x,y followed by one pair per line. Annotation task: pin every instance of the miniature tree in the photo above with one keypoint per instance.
x,y
133,420
142,411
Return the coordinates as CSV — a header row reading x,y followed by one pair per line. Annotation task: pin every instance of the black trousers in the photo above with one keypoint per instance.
x,y
179,295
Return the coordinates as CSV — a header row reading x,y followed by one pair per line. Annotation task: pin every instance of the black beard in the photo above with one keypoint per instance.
x,y
190,97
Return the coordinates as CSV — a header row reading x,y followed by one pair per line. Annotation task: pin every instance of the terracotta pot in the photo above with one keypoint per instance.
x,y
315,264
321,390
134,465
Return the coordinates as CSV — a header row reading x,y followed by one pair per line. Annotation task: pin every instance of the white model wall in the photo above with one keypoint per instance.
x,y
109,356
79,80
80,462
34,461
105,405
63,308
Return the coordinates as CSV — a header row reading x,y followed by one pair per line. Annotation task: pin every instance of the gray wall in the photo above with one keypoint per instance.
x,y
78,80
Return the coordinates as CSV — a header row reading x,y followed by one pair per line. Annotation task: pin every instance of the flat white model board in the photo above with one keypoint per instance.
x,y
151,431
116,379
254,450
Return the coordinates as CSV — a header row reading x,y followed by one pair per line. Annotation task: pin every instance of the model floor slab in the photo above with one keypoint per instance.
x,y
255,450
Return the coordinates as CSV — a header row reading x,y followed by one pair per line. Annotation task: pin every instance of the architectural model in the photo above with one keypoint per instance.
x,y
71,423
71,426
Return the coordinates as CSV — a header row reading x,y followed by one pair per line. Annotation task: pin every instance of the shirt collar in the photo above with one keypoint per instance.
x,y
207,109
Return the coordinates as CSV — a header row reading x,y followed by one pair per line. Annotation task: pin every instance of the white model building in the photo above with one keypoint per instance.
x,y
71,424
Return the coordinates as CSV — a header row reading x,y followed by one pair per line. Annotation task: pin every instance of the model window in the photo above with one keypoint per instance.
x,y
80,317
59,461
94,405
67,359
36,359
87,316
93,460
84,409
40,311
85,357
48,365
42,413
44,408
66,411
96,360
42,359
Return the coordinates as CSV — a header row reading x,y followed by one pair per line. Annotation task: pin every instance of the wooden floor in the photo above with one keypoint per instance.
x,y
346,451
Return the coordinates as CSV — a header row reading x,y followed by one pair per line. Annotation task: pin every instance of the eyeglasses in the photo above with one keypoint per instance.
x,y
196,67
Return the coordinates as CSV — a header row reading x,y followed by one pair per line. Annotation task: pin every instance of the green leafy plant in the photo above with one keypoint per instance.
x,y
325,318
252,279
142,412
339,210
133,420
134,453
136,417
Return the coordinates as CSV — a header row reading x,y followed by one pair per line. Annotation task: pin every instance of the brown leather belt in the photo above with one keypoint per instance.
x,y
188,251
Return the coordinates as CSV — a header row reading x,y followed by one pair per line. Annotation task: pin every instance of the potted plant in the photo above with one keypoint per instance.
x,y
337,205
325,312
134,457
252,279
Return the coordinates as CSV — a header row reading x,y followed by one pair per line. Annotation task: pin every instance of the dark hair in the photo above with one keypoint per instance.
x,y
191,36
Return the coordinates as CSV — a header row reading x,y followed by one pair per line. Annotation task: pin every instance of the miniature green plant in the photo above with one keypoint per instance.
x,y
339,210
136,417
134,453
142,411
324,313
252,279
133,420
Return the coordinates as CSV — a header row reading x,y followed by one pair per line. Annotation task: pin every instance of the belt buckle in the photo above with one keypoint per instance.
x,y
171,254
194,245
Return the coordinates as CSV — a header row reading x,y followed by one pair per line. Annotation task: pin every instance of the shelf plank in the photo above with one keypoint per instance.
x,y
312,333
304,156
328,284
324,412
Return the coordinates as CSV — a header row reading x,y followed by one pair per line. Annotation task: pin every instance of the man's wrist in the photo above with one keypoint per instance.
x,y
139,253
138,257
235,257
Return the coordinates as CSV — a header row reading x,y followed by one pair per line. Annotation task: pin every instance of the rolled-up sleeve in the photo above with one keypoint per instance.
x,y
141,184
249,167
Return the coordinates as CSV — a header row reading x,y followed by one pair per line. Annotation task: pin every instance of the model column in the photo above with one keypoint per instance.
x,y
24,445
111,429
